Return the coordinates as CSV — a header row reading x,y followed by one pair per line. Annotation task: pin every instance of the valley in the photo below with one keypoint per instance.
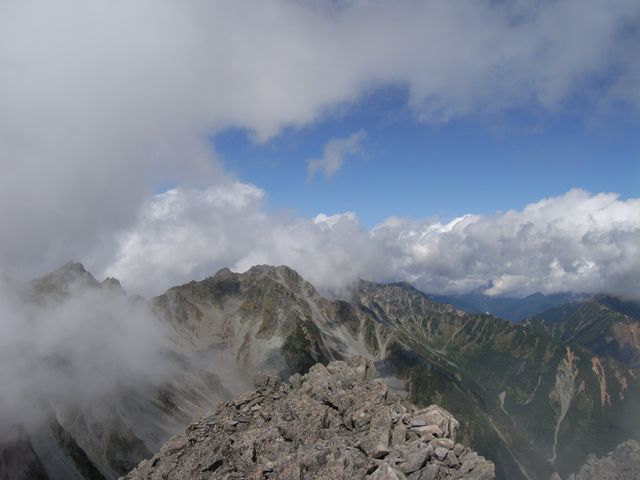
x,y
526,398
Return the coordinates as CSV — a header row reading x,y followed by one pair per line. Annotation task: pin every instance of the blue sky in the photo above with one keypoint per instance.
x,y
482,164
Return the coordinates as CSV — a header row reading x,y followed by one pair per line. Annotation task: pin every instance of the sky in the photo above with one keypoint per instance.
x,y
478,164
454,145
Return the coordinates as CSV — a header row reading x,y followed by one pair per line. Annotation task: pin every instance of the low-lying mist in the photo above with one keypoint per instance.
x,y
73,350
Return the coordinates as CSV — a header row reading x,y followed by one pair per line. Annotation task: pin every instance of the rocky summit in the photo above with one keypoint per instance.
x,y
335,422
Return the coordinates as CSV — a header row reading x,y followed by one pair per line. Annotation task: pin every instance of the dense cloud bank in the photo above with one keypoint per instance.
x,y
575,242
102,101
74,351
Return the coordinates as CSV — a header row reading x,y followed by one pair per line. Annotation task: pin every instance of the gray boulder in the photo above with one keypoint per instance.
x,y
621,464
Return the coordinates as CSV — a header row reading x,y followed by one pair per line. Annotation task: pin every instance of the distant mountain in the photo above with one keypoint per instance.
x,y
61,282
532,403
107,437
536,404
606,325
509,308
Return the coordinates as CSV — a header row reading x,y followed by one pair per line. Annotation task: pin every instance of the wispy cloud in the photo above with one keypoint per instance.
x,y
336,151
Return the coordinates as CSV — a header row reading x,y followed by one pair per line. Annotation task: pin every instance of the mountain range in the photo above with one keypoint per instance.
x,y
510,308
536,398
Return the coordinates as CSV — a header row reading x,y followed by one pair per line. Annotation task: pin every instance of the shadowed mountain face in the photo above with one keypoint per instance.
x,y
529,402
605,325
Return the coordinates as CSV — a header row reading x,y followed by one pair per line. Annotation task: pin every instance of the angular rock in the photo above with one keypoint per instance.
x,y
621,464
440,453
414,461
427,431
435,415
399,434
335,422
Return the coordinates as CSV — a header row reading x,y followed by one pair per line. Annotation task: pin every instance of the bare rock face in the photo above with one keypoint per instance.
x,y
335,422
621,464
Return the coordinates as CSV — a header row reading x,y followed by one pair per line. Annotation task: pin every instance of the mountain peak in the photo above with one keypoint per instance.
x,y
112,284
61,280
271,269
535,296
280,273
72,267
223,272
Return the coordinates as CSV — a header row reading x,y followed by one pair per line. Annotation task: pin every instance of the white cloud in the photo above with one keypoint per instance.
x,y
186,234
102,100
575,242
335,152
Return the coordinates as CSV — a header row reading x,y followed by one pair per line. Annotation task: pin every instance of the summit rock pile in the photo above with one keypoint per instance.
x,y
335,422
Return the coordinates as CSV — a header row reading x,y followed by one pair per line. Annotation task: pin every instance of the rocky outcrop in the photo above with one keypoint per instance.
x,y
621,464
335,422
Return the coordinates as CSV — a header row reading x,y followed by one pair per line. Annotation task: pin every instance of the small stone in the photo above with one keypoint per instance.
x,y
459,450
374,445
295,380
452,460
441,453
417,422
443,442
399,434
262,381
384,472
429,472
414,461
427,430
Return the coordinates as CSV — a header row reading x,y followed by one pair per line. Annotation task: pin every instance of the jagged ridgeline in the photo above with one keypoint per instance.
x,y
532,403
335,422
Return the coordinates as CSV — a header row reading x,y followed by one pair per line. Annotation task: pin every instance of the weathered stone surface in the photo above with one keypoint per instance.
x,y
335,422
415,460
621,464
441,453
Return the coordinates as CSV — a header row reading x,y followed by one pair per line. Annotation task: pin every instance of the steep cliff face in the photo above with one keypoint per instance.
x,y
266,318
335,422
